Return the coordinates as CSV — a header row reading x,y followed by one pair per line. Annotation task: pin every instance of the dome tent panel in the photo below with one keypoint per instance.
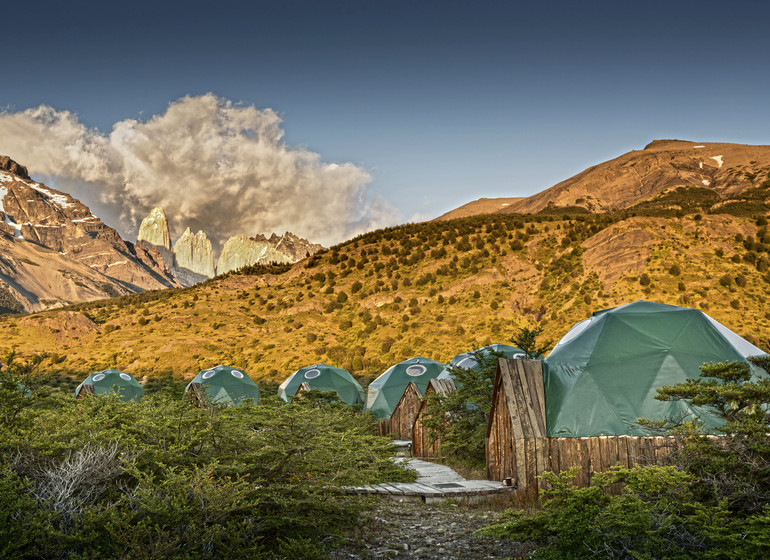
x,y
621,358
467,360
384,392
223,385
322,377
111,381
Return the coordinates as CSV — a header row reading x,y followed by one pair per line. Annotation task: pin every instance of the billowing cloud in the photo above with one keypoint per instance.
x,y
209,163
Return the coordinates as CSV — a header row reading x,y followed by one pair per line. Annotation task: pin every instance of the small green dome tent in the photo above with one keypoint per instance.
x,y
467,361
385,391
323,378
602,376
111,380
223,385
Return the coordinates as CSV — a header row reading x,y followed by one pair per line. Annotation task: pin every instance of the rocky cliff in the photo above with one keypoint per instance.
x,y
240,251
293,246
54,251
154,233
193,258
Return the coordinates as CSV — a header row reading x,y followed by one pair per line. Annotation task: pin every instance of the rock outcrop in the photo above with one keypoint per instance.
x,y
293,246
240,251
193,258
153,233
54,251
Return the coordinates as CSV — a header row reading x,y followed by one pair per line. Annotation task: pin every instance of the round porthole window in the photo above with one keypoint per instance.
x,y
237,374
98,377
125,376
208,374
416,370
312,374
466,363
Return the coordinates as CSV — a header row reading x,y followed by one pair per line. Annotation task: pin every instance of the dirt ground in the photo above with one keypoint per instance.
x,y
427,532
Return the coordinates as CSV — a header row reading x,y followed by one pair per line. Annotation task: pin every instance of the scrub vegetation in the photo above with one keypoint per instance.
x,y
434,289
161,478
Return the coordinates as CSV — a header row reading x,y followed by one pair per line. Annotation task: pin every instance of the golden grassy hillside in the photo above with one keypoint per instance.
x,y
433,289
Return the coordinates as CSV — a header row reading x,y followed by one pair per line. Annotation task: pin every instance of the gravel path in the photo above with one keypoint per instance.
x,y
426,532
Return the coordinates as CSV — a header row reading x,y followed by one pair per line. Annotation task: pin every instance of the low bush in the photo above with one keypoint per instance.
x,y
100,478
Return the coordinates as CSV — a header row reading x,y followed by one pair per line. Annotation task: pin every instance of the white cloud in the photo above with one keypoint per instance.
x,y
211,164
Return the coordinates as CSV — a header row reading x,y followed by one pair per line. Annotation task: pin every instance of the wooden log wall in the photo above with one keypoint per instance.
x,y
197,395
86,390
383,427
517,446
405,412
600,453
516,443
422,446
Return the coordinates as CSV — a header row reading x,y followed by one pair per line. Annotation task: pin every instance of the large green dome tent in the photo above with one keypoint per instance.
x,y
223,385
602,376
384,392
111,380
467,361
322,377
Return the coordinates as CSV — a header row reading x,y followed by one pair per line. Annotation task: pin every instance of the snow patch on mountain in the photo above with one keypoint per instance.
x,y
56,198
16,227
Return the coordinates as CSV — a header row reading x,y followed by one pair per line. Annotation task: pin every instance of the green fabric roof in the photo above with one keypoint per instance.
x,y
323,378
384,392
603,374
227,385
467,361
104,382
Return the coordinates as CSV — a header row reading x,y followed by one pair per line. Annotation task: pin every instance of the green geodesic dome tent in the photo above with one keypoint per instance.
x,y
602,375
323,378
104,382
226,385
467,361
384,392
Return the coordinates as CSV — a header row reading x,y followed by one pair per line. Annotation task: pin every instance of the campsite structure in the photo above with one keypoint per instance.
x,y
222,385
423,444
598,380
322,377
467,360
399,425
385,392
111,381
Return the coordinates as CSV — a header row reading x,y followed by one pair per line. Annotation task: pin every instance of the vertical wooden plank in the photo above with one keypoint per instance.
x,y
543,460
585,467
531,462
553,453
614,454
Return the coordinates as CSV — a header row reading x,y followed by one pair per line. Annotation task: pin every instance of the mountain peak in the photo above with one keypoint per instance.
x,y
7,164
643,176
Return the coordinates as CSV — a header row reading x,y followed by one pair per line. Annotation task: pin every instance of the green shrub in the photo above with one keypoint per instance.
x,y
99,478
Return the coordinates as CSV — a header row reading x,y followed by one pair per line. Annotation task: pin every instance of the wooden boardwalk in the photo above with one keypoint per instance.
x,y
434,483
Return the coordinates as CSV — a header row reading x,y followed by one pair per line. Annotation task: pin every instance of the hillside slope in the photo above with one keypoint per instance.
x,y
726,170
434,289
54,251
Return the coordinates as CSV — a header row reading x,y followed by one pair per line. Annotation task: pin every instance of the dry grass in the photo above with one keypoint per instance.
x,y
272,325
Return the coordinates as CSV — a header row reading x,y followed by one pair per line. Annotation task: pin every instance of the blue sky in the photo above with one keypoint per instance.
x,y
441,102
